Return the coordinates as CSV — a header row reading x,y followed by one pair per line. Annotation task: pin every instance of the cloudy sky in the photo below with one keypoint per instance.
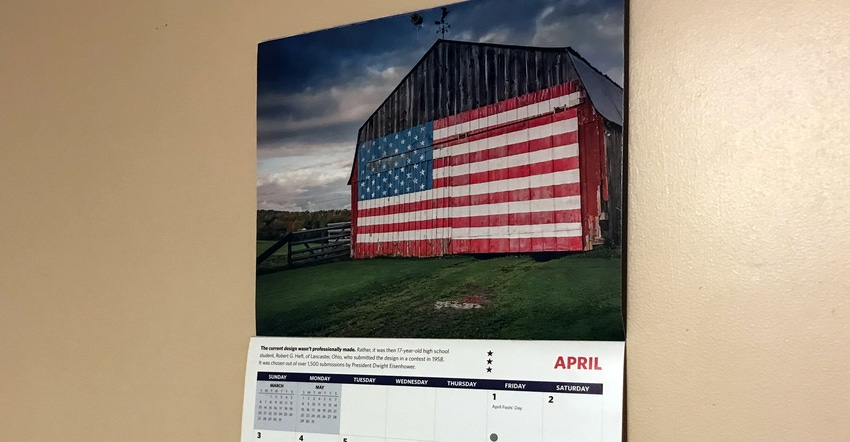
x,y
314,91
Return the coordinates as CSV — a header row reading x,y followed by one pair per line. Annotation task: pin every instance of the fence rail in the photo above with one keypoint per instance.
x,y
318,245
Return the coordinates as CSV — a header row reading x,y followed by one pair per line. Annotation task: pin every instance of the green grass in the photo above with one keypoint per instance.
x,y
263,245
577,297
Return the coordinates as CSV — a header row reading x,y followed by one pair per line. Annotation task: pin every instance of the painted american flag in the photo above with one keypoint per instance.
x,y
497,179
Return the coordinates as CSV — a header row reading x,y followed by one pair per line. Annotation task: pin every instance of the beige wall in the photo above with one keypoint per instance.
x,y
739,302
127,190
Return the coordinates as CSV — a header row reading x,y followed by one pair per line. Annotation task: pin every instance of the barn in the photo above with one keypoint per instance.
x,y
486,148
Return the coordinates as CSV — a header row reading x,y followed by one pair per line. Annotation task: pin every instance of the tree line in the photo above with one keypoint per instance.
x,y
273,224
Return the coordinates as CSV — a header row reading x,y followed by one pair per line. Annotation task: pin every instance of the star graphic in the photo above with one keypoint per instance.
x,y
489,361
490,353
489,369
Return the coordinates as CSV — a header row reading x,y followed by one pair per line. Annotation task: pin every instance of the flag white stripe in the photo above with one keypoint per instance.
x,y
538,156
546,179
555,230
519,136
530,206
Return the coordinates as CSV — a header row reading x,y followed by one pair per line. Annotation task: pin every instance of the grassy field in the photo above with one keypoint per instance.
x,y
577,297
263,245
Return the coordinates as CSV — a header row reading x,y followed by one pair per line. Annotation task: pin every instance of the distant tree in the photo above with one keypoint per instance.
x,y
272,224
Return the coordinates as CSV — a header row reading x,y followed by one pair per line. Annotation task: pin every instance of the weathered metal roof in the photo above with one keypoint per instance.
x,y
606,96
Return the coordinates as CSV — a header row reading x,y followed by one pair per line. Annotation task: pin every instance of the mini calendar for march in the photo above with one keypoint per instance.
x,y
424,390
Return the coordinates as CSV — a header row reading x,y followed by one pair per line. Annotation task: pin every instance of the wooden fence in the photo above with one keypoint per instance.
x,y
313,246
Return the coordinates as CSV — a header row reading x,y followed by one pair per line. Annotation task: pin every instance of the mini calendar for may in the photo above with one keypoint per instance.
x,y
424,390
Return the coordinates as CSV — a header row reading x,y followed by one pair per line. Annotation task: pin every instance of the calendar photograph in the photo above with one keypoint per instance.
x,y
449,173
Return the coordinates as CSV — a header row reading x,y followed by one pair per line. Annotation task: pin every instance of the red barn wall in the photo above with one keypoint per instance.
x,y
594,175
456,210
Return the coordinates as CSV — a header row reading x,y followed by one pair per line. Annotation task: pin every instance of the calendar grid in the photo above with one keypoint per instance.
x,y
529,397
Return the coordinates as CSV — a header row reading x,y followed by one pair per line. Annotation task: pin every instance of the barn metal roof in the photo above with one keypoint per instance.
x,y
606,96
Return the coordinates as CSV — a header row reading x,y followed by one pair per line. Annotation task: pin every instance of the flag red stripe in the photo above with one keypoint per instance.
x,y
438,247
557,165
507,105
429,247
508,219
553,191
407,207
515,245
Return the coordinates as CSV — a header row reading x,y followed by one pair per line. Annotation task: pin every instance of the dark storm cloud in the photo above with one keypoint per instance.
x,y
331,134
324,111
321,57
